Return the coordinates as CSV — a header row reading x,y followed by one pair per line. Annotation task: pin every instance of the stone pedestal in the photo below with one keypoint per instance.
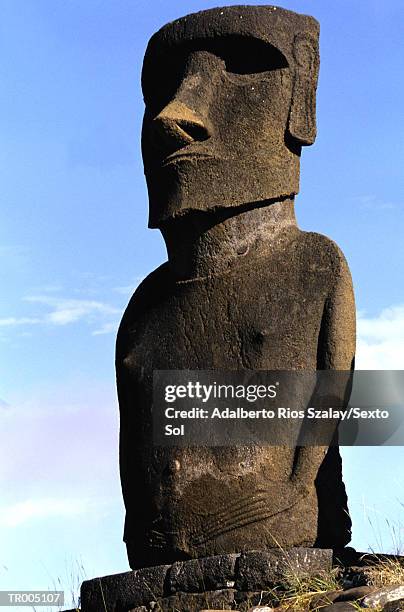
x,y
234,581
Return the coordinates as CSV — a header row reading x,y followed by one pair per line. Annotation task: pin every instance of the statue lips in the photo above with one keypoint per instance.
x,y
185,156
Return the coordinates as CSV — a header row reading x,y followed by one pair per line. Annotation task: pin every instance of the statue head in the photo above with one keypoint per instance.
x,y
230,101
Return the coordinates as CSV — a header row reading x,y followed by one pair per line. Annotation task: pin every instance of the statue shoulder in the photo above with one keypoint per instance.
x,y
322,251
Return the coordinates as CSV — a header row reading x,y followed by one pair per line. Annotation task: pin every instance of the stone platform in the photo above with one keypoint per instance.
x,y
233,581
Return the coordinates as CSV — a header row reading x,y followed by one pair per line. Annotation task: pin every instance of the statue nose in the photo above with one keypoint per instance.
x,y
177,125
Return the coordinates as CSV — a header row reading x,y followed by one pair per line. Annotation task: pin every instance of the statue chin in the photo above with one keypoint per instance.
x,y
208,184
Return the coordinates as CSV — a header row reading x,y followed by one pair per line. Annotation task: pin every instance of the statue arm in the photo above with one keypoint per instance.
x,y
337,338
129,364
336,351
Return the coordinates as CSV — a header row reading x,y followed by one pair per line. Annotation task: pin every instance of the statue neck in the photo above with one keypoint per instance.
x,y
202,244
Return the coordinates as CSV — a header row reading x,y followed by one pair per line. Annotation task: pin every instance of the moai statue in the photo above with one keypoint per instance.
x,y
230,98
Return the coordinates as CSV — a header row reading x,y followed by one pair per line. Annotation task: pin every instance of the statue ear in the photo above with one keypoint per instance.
x,y
302,117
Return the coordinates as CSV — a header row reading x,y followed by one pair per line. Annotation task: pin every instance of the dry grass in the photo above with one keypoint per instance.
x,y
301,590
386,572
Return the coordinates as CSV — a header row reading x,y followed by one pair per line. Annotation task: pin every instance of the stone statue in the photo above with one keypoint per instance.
x,y
230,101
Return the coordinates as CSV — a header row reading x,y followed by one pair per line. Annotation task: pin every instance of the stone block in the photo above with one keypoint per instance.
x,y
267,569
121,592
382,596
206,574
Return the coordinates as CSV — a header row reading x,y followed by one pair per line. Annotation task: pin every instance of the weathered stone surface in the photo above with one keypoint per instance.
x,y
120,592
356,593
341,606
352,577
246,599
193,602
204,574
230,101
323,599
257,570
382,596
394,606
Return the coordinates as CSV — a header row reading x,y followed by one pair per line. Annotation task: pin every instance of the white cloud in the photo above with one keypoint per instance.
x,y
14,321
66,311
55,310
107,328
372,202
15,514
380,343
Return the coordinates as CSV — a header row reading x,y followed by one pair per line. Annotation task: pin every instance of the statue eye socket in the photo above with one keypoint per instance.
x,y
248,55
241,55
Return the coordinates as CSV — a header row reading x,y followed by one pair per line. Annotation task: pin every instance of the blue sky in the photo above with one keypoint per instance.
x,y
74,244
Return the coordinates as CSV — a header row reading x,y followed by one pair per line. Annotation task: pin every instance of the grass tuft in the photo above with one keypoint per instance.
x,y
385,572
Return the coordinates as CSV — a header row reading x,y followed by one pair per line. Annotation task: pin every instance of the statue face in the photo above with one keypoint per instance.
x,y
215,125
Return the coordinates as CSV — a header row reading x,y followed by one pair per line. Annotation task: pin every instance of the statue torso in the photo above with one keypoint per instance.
x,y
265,313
